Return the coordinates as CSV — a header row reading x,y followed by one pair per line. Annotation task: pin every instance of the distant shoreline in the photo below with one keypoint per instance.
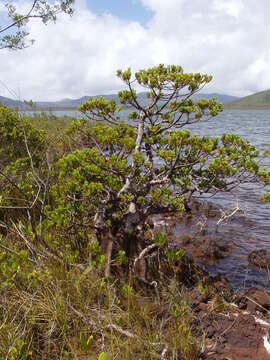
x,y
48,109
226,107
255,107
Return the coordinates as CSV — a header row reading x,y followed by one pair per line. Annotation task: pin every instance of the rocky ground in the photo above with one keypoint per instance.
x,y
234,326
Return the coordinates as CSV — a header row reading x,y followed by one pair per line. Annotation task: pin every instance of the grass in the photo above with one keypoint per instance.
x,y
58,314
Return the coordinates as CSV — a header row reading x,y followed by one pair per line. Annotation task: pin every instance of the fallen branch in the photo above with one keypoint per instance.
x,y
225,216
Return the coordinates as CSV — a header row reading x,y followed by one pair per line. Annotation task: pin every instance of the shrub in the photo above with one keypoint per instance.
x,y
150,164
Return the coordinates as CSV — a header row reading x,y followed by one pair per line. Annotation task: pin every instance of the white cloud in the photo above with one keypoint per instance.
x,y
230,7
221,37
75,56
79,55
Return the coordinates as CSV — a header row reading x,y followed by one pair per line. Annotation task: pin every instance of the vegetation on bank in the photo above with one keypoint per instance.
x,y
84,273
260,100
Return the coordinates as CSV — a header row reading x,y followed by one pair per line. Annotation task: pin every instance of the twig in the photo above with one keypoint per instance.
x,y
140,258
26,241
123,332
255,302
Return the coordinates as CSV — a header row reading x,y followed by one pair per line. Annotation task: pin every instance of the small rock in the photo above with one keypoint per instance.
x,y
210,249
186,239
256,299
222,286
210,331
260,258
195,298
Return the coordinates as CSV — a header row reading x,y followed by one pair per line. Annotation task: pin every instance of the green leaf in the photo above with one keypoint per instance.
x,y
102,356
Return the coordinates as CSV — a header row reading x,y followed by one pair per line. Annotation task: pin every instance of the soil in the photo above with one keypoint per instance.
x,y
235,330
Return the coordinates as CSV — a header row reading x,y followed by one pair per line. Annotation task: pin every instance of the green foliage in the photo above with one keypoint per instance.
x,y
267,196
86,342
122,258
102,356
15,130
89,174
22,155
161,239
96,257
127,291
175,255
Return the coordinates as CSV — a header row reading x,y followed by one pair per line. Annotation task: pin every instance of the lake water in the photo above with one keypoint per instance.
x,y
251,231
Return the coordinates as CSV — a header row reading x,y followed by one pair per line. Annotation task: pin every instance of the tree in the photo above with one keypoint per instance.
x,y
14,35
148,165
22,152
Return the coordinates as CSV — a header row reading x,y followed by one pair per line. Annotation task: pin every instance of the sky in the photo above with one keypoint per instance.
x,y
79,55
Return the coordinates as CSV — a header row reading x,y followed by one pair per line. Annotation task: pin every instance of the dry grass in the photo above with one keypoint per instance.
x,y
53,313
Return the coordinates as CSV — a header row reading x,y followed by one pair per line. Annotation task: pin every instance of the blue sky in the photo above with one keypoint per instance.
x,y
125,9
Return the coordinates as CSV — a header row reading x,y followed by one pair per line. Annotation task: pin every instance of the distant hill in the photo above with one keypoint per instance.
x,y
260,100
10,102
74,103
